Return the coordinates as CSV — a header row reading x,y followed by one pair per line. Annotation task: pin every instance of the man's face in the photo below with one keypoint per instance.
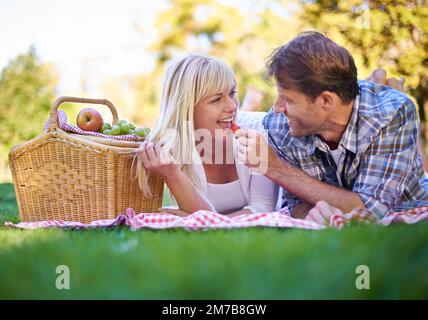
x,y
305,117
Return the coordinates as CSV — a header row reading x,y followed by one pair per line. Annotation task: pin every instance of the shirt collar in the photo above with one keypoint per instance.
x,y
349,139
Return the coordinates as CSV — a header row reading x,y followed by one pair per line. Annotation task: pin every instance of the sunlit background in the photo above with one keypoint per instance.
x,y
118,49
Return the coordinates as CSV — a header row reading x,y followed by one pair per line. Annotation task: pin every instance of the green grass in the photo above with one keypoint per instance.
x,y
258,263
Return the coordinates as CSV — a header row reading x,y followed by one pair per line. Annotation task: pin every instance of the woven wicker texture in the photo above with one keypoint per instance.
x,y
63,176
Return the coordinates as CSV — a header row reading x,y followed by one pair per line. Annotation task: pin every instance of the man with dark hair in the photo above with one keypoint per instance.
x,y
346,143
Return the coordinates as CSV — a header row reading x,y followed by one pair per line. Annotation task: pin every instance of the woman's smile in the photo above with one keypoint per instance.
x,y
226,123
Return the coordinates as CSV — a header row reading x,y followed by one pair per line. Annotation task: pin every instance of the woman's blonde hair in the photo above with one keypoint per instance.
x,y
187,82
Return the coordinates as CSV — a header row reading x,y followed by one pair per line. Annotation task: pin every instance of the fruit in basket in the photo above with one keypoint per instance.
x,y
124,128
115,130
106,126
89,119
142,132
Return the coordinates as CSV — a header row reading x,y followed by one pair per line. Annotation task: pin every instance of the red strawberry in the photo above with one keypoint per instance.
x,y
234,127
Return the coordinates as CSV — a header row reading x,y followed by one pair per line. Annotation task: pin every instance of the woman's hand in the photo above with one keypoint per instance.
x,y
157,160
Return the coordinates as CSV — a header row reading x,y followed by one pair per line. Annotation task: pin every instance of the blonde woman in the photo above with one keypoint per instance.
x,y
193,147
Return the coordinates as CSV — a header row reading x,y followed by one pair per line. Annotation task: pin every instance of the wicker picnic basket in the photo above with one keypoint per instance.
x,y
73,177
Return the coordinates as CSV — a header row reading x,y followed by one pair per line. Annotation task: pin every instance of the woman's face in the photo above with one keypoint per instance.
x,y
217,112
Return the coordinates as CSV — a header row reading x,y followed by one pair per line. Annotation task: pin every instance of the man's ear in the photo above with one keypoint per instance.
x,y
327,99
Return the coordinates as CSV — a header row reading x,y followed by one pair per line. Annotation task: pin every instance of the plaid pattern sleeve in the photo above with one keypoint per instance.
x,y
389,164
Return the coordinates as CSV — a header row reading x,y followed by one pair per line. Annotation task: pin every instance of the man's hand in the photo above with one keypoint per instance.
x,y
255,152
379,76
322,212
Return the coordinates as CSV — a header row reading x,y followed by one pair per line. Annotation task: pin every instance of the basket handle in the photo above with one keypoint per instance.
x,y
53,116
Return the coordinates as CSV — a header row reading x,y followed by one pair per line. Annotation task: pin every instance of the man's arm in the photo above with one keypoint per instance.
x,y
311,190
298,184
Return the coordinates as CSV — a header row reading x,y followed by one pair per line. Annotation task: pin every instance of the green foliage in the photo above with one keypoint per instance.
x,y
147,87
390,34
27,91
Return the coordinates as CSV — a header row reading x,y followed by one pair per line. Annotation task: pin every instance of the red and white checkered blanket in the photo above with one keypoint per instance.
x,y
211,220
64,125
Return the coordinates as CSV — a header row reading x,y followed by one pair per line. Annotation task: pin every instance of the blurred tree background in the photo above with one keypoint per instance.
x,y
388,34
27,90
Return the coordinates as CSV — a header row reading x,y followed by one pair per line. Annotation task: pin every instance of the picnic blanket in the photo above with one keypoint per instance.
x,y
203,220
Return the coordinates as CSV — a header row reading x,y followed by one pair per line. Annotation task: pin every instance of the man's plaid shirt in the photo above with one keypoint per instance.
x,y
379,156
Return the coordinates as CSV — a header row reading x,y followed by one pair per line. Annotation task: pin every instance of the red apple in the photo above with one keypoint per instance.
x,y
89,119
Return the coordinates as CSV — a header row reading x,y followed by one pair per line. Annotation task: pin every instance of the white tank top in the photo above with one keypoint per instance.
x,y
226,196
